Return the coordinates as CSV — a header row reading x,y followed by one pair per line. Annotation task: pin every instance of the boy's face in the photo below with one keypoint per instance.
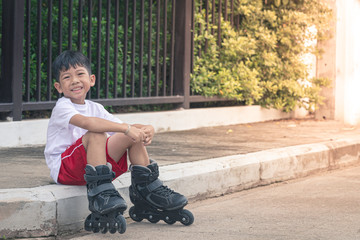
x,y
74,83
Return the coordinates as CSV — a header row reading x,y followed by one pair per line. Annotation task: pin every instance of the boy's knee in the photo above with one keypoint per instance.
x,y
93,137
136,145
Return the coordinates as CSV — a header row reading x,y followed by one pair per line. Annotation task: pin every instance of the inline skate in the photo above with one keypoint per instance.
x,y
105,203
154,201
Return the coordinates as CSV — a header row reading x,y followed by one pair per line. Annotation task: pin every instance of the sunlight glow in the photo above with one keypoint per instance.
x,y
352,65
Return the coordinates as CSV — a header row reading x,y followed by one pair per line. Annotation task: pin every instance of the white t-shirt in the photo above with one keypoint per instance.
x,y
61,134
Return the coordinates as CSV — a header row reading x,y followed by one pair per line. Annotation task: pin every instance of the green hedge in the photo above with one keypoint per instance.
x,y
261,61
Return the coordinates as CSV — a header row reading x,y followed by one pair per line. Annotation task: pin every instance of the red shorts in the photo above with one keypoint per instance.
x,y
73,163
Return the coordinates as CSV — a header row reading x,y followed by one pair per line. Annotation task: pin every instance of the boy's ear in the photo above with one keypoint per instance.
x,y
92,80
58,87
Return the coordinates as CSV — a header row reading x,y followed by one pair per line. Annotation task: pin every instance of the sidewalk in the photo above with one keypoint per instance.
x,y
198,163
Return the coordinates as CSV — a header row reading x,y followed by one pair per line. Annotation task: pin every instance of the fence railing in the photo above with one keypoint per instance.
x,y
141,50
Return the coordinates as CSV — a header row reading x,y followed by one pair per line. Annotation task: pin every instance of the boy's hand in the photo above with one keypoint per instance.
x,y
149,134
136,134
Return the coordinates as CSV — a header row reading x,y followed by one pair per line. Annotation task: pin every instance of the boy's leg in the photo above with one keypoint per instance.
x,y
119,143
105,202
144,173
95,146
147,192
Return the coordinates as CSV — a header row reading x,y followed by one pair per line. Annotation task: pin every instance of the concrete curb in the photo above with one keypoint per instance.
x,y
55,209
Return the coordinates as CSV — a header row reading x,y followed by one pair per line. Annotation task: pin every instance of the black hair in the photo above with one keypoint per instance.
x,y
69,59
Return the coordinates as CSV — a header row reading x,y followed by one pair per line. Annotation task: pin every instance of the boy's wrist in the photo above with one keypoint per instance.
x,y
127,130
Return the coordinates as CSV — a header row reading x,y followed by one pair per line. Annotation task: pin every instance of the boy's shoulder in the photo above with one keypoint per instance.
x,y
62,102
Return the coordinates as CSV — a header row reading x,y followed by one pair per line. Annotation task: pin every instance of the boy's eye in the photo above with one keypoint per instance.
x,y
81,73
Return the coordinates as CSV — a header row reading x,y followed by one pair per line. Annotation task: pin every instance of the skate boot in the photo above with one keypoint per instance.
x,y
154,201
105,203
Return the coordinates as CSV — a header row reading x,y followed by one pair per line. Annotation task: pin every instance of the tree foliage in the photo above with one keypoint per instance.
x,y
262,59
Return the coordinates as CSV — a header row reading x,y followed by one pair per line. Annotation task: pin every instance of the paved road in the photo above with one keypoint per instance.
x,y
324,206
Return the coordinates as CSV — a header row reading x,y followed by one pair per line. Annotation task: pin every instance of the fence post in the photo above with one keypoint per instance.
x,y
182,61
12,55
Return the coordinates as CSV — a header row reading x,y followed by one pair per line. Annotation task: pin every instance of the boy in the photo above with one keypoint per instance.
x,y
78,150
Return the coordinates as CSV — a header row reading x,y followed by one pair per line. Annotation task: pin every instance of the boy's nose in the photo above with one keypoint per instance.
x,y
75,81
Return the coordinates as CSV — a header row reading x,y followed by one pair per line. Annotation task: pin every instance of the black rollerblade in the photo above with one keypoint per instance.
x,y
105,202
154,201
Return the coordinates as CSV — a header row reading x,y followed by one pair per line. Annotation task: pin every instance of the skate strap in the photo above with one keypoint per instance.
x,y
154,185
90,178
101,188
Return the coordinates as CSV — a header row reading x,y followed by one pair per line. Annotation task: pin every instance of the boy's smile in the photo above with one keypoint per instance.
x,y
74,83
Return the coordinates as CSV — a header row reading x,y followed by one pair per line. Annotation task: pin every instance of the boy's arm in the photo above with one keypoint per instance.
x,y
94,124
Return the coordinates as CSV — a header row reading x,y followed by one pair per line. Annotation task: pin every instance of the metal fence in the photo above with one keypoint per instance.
x,y
141,50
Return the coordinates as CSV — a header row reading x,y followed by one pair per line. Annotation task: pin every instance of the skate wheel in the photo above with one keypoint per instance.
x,y
104,230
91,224
187,218
121,224
152,219
88,223
169,221
114,227
113,230
133,215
